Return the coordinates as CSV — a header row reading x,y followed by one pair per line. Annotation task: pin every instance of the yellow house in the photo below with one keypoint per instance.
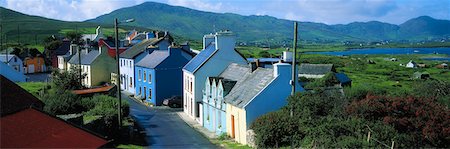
x,y
261,91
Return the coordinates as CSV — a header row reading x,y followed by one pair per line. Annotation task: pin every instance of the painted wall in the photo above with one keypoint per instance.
x,y
16,63
214,116
145,86
240,124
102,67
127,73
34,64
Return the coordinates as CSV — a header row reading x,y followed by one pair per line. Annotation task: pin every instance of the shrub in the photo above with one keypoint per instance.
x,y
62,103
425,121
274,129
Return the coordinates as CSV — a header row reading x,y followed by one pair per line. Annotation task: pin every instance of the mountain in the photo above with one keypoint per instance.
x,y
194,24
33,29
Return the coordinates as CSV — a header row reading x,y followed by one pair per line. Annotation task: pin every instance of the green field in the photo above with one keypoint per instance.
x,y
384,73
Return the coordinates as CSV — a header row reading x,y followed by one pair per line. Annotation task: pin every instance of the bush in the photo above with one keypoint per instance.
x,y
425,121
62,103
274,129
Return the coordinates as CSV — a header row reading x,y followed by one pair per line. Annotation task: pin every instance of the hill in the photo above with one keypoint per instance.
x,y
266,29
27,29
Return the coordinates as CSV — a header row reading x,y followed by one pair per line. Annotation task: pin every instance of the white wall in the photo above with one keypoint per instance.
x,y
127,70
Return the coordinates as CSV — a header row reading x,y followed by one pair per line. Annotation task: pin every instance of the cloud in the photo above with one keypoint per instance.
x,y
323,11
198,4
68,10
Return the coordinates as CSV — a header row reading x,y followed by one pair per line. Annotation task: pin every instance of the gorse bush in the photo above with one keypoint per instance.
x,y
62,103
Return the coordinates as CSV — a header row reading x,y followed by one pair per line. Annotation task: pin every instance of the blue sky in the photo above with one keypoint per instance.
x,y
323,11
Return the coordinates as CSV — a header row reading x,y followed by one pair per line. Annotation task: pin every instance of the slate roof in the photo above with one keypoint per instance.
x,y
14,98
86,59
154,59
244,91
342,78
63,49
235,72
317,69
139,48
201,58
227,86
3,57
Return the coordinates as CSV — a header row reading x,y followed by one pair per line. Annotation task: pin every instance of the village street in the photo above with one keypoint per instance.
x,y
165,129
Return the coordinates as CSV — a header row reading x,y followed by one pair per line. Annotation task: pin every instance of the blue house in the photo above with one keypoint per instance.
x,y
159,76
137,52
214,107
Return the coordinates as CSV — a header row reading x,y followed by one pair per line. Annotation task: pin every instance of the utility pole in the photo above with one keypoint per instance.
x,y
294,73
294,63
116,23
18,35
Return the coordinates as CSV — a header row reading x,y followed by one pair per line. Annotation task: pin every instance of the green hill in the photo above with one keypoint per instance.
x,y
266,29
27,29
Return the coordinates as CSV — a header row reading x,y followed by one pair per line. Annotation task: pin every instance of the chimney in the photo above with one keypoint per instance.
x,y
73,49
207,39
287,56
225,40
253,66
282,69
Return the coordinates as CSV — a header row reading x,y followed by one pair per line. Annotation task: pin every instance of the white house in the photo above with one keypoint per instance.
x,y
411,64
133,55
13,61
63,59
218,52
93,37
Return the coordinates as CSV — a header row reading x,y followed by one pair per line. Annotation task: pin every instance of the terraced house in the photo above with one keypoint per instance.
x,y
218,52
159,74
130,57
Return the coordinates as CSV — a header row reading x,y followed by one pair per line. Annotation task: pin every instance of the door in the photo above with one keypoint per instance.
x,y
145,93
232,126
30,68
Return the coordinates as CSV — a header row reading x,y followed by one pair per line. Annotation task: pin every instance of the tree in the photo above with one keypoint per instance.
x,y
73,36
67,80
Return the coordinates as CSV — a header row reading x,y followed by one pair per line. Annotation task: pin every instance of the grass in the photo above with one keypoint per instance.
x,y
384,73
129,146
229,144
91,30
32,87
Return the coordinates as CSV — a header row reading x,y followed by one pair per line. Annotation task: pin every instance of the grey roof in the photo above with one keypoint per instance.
x,y
139,48
154,59
86,59
3,57
252,83
317,69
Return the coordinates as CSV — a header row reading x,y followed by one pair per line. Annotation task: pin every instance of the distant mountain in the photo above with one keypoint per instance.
x,y
33,29
15,24
194,24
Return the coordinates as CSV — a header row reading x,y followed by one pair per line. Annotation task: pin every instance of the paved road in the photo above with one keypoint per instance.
x,y
165,129
38,77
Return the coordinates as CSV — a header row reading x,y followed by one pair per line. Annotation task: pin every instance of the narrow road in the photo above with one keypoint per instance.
x,y
165,129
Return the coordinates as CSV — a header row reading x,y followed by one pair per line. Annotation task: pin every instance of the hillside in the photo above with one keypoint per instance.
x,y
32,30
194,23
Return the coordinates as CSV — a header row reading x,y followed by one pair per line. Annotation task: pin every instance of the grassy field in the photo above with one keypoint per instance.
x,y
384,73
91,30
32,87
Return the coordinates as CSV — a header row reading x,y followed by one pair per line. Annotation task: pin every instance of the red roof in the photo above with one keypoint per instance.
x,y
111,49
31,128
93,90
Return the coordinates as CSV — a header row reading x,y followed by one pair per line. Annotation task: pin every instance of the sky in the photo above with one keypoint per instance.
x,y
321,11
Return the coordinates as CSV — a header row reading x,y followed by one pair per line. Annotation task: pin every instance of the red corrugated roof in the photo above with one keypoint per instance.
x,y
31,128
93,90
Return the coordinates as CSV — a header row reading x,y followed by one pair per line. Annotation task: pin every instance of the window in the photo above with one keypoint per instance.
x,y
121,77
145,76
140,91
130,64
149,78
15,59
190,88
131,81
139,75
149,93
